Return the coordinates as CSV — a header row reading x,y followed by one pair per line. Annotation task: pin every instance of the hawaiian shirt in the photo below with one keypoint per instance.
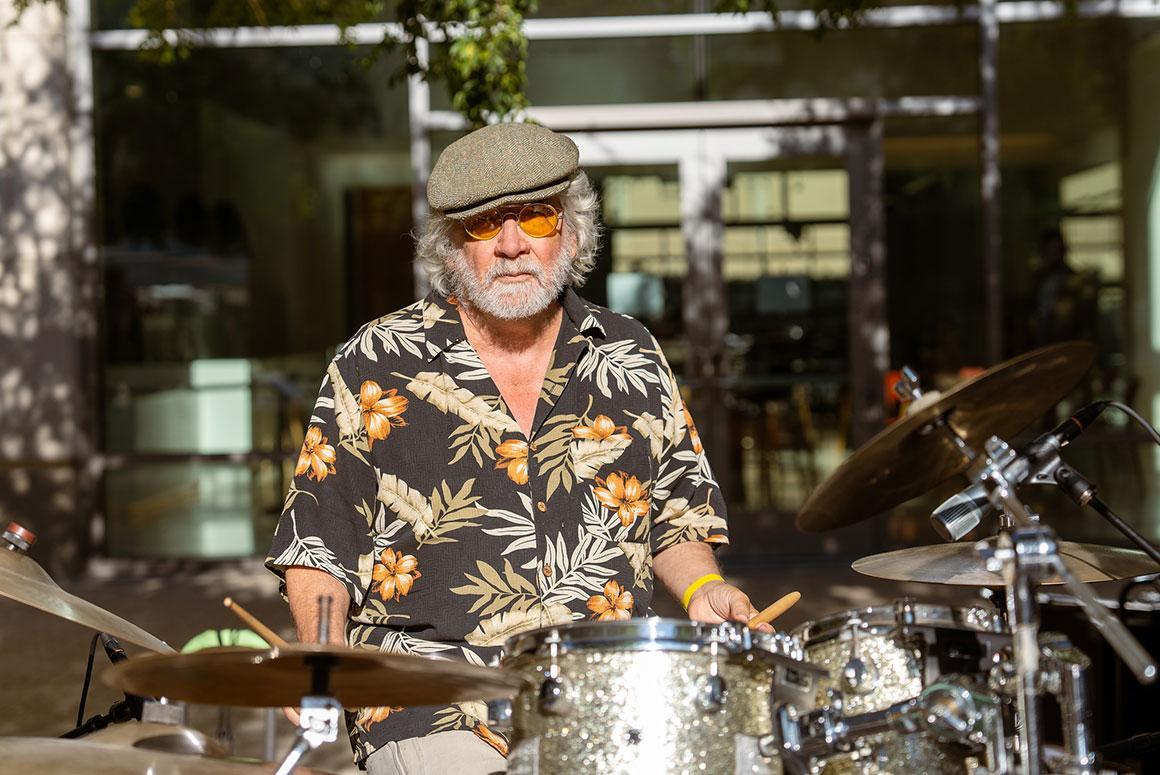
x,y
452,530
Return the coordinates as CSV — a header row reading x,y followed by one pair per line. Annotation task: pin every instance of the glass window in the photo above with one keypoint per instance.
x,y
255,209
849,63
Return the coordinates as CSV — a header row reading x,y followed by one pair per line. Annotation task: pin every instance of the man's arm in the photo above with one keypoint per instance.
x,y
304,587
679,566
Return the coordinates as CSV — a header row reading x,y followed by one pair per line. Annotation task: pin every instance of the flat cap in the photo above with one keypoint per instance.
x,y
501,164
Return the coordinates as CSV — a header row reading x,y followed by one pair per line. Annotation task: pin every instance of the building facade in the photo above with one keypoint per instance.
x,y
793,213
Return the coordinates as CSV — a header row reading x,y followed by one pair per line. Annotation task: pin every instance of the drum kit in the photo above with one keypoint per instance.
x,y
904,687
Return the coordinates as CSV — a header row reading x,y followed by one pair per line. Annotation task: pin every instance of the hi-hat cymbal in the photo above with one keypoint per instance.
x,y
909,458
960,565
261,678
53,756
23,580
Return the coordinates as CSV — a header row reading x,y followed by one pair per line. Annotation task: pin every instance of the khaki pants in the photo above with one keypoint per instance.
x,y
457,752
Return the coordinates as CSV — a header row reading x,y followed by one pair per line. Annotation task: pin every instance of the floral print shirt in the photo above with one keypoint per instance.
x,y
452,531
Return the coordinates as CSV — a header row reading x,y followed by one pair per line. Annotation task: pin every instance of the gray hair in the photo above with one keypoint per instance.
x,y
580,206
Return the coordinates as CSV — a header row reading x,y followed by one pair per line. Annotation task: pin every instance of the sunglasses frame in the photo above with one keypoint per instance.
x,y
516,213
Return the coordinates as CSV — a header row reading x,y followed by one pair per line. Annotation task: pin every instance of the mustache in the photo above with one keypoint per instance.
x,y
510,268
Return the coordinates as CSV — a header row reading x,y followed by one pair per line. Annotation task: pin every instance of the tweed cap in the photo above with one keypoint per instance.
x,y
501,164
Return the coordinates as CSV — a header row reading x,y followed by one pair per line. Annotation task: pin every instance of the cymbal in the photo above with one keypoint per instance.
x,y
277,677
908,458
960,565
54,756
23,580
156,736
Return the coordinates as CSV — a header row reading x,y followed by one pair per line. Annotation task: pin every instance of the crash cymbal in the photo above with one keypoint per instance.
x,y
23,580
270,678
53,756
960,565
910,458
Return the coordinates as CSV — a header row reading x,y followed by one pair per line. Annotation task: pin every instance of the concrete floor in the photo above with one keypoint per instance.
x,y
46,656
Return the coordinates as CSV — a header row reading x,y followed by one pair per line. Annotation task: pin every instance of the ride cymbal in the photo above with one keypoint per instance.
x,y
913,456
23,580
960,565
278,677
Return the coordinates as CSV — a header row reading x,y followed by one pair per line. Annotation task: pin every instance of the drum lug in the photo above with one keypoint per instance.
x,y
499,715
710,693
858,675
552,698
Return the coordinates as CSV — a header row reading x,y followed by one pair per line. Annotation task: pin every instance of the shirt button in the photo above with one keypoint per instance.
x,y
548,571
541,506
534,446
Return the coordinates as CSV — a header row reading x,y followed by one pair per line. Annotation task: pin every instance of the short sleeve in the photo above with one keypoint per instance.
x,y
325,518
687,501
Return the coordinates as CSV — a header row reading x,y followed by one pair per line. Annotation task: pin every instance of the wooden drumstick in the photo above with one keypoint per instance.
x,y
267,634
775,610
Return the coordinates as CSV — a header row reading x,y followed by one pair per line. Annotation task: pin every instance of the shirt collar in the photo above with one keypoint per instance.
x,y
443,326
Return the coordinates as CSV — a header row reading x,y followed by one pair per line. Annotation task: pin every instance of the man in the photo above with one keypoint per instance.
x,y
498,457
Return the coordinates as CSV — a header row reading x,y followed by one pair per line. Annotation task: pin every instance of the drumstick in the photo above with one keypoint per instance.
x,y
267,634
775,610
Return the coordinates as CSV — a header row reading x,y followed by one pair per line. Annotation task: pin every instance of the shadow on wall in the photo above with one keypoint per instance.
x,y
48,293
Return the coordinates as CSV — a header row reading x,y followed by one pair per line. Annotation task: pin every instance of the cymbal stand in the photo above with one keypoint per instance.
x,y
1048,467
319,715
1024,557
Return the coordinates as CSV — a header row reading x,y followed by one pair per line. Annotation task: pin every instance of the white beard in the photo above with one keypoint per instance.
x,y
509,302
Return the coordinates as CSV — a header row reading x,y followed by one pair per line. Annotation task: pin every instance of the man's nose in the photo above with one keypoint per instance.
x,y
511,242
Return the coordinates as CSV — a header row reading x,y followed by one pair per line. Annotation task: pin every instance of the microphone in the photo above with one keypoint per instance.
x,y
962,512
113,649
1073,426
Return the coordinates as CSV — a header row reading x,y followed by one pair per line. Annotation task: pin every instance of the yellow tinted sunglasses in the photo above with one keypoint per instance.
x,y
536,219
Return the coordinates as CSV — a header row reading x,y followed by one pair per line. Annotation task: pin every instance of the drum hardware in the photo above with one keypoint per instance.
x,y
710,689
1065,677
552,699
952,710
1025,557
318,720
1039,463
858,676
129,709
499,715
23,580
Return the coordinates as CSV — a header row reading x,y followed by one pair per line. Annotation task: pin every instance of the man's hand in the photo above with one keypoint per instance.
x,y
718,601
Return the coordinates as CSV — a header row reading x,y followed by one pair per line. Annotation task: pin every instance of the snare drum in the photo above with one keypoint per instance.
x,y
650,696
881,655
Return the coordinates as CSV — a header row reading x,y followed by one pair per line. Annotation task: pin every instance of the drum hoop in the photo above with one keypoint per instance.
x,y
651,634
877,620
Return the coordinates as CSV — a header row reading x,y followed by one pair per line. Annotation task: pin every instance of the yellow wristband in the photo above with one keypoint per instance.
x,y
685,598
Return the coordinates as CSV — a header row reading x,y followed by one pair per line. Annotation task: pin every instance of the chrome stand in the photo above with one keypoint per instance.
x,y
317,724
318,718
1025,557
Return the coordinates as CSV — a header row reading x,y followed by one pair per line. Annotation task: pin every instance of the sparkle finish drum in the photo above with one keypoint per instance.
x,y
881,655
651,696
